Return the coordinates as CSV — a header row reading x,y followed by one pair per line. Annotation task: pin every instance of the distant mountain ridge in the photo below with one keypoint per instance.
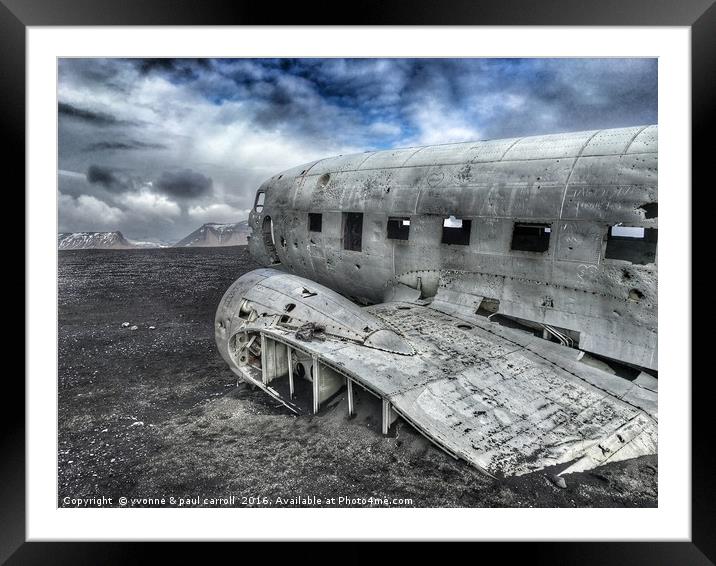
x,y
214,234
93,240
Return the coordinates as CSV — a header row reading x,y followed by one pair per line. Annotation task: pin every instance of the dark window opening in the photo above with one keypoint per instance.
x,y
531,237
398,228
259,203
651,209
315,221
631,243
456,231
353,231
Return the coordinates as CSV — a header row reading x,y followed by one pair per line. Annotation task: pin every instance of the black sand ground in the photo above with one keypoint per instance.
x,y
155,413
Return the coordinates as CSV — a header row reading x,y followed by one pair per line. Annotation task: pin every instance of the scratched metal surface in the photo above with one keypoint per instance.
x,y
512,410
581,183
504,400
506,408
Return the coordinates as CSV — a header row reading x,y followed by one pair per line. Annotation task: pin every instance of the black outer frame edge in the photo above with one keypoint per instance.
x,y
703,446
700,14
361,12
360,553
12,430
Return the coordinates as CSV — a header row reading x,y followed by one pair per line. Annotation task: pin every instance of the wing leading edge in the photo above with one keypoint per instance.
x,y
505,401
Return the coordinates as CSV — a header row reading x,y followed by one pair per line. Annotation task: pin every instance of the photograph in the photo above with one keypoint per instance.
x,y
329,282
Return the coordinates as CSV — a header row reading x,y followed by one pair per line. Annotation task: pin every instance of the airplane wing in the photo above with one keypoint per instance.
x,y
504,400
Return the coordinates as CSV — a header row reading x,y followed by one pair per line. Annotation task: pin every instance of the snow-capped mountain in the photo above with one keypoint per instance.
x,y
209,235
149,244
212,234
92,240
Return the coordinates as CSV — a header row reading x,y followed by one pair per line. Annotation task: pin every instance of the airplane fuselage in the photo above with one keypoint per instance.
x,y
557,231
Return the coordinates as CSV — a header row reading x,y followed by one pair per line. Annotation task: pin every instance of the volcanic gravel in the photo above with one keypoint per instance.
x,y
149,411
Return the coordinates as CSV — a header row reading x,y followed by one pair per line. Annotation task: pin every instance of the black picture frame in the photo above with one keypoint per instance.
x,y
699,15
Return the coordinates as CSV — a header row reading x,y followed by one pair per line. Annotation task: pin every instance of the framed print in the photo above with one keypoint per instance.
x,y
390,279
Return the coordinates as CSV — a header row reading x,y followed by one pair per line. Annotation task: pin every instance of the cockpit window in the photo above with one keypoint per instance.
x,y
259,204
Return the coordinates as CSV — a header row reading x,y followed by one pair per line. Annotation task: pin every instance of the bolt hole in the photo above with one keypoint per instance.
x,y
635,294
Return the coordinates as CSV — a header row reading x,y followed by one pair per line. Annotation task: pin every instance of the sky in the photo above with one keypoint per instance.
x,y
157,147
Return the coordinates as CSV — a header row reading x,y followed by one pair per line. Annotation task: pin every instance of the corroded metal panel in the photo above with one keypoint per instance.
x,y
579,184
505,401
570,188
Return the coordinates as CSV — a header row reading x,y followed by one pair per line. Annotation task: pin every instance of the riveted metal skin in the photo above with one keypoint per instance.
x,y
580,184
506,401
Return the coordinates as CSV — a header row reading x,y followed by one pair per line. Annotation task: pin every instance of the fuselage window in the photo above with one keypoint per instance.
x,y
398,228
353,231
315,221
531,237
631,243
456,231
259,203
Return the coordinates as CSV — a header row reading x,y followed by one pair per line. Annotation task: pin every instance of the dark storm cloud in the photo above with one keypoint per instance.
x,y
108,178
90,73
89,116
339,99
184,183
123,146
177,69
573,94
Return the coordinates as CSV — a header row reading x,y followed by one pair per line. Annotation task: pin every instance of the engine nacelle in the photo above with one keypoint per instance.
x,y
267,297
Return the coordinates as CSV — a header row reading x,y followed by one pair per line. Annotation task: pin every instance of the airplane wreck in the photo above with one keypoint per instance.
x,y
483,292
